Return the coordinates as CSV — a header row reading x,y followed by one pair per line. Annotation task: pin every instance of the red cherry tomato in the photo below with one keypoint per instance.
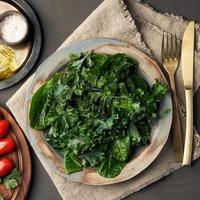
x,y
4,126
6,145
6,165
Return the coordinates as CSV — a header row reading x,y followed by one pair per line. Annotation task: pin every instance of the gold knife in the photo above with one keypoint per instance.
x,y
187,60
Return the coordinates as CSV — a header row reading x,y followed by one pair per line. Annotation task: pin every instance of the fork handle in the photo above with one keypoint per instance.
x,y
176,126
189,127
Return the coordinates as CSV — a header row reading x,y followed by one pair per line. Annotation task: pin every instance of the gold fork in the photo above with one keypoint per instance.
x,y
170,60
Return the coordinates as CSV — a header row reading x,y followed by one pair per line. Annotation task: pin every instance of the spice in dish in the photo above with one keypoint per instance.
x,y
13,28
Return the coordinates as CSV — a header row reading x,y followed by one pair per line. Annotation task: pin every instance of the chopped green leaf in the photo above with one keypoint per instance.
x,y
159,90
121,149
11,181
94,157
110,167
72,164
134,135
166,112
39,103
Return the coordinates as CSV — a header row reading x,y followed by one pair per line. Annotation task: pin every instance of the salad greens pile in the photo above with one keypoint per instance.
x,y
97,111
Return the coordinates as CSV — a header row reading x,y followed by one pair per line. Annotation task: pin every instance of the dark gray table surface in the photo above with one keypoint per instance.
x,y
58,19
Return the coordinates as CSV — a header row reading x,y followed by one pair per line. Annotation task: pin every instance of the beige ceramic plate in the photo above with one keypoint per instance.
x,y
145,155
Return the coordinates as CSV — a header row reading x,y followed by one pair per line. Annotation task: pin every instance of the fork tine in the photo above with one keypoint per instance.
x,y
171,53
168,56
170,46
167,46
178,48
163,48
173,46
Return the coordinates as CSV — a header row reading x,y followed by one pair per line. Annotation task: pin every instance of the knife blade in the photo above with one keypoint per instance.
x,y
187,56
187,61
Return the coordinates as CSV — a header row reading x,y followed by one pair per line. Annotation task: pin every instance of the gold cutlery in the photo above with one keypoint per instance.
x,y
170,59
187,61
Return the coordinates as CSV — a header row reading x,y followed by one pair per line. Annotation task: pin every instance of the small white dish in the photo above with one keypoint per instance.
x,y
14,27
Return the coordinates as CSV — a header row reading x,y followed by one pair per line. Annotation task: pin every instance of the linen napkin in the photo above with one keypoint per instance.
x,y
140,25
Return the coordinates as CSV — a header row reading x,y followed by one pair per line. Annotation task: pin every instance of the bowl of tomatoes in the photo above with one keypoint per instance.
x,y
15,162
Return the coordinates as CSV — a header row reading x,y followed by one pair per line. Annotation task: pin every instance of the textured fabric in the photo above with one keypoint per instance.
x,y
142,27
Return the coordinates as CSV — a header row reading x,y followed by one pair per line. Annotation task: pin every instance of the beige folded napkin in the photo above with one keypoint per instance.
x,y
142,27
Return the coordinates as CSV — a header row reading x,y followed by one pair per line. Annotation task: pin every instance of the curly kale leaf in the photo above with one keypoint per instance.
x,y
39,103
135,137
94,157
121,149
159,91
110,167
71,163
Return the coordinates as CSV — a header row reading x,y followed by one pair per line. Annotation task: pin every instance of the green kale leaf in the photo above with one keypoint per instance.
x,y
159,91
121,149
134,135
110,167
72,164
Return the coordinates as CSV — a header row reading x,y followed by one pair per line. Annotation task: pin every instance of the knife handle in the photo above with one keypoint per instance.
x,y
187,157
176,126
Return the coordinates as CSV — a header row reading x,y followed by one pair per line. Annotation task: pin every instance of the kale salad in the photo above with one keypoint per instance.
x,y
97,111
